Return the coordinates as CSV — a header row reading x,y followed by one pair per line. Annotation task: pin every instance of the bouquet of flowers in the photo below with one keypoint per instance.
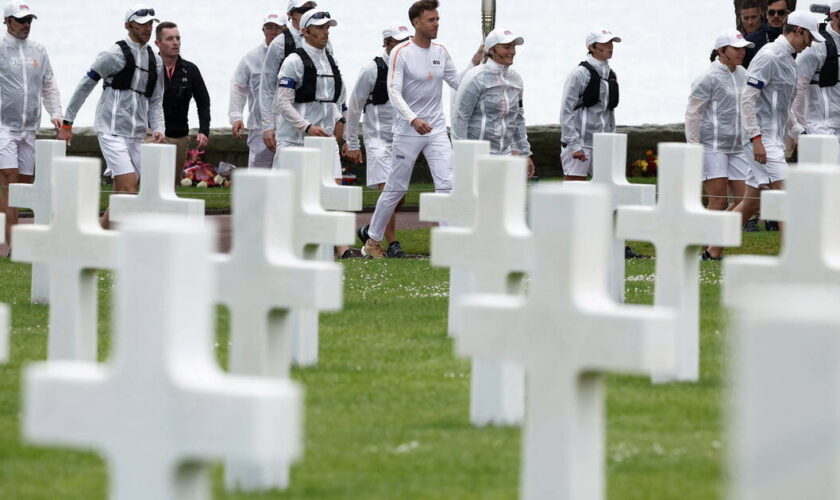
x,y
646,167
199,173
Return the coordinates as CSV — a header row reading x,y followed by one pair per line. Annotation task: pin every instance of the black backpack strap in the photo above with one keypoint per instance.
x,y
612,82
592,91
289,45
151,81
121,80
830,71
306,92
380,88
337,76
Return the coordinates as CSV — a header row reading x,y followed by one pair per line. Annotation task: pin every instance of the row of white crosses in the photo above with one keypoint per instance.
x,y
783,418
277,213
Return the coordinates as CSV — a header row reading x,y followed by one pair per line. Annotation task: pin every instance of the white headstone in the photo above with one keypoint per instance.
x,y
678,226
822,149
456,208
157,193
333,196
313,226
784,425
161,409
609,169
74,247
4,311
501,236
260,282
808,255
567,332
38,198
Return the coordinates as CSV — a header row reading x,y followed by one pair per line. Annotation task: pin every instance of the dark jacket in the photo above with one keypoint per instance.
x,y
766,34
186,83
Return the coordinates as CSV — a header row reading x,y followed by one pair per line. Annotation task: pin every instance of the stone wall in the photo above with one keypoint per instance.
x,y
545,143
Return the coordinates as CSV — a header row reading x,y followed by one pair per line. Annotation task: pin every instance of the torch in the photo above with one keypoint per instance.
x,y
488,16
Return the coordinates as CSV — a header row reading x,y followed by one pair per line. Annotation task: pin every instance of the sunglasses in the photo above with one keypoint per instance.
x,y
24,20
777,13
142,13
318,15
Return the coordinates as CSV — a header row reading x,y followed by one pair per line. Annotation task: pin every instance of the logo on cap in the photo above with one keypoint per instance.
x,y
606,32
739,36
272,16
507,32
23,6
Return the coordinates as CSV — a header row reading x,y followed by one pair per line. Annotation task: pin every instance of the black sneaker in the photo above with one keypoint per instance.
x,y
395,251
751,226
351,253
362,233
771,225
707,256
630,254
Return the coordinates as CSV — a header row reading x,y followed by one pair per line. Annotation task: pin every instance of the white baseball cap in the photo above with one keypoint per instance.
x,y
601,35
835,6
398,32
501,35
18,10
317,17
140,13
296,4
732,38
275,18
804,19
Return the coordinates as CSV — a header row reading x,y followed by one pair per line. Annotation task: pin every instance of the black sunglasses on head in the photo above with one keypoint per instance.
x,y
779,13
320,15
143,13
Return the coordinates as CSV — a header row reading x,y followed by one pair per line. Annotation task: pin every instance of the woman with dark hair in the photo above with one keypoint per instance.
x,y
713,119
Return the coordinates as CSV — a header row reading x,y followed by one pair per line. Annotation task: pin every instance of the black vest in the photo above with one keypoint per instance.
x,y
122,79
380,88
592,92
289,45
830,71
306,92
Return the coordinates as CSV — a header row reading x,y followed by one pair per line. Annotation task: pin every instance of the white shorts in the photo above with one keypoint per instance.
x,y
379,161
733,166
122,154
17,150
258,154
281,145
774,170
575,167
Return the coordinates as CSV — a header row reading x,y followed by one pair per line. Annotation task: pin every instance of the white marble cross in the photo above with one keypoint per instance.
x,y
499,231
74,247
260,282
157,193
456,208
677,226
784,424
812,149
38,198
810,252
567,332
313,226
161,408
4,311
609,169
333,196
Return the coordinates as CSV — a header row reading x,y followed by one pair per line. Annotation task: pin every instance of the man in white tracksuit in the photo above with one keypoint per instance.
x,y
416,74
371,97
489,102
765,107
131,101
816,105
280,48
245,89
26,81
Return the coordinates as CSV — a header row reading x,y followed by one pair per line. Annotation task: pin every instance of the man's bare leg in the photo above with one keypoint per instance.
x,y
125,184
339,250
8,176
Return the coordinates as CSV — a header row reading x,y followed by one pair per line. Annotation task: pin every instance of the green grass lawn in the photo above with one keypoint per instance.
x,y
387,406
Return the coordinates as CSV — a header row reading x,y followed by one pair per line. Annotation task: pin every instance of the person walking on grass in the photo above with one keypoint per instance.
x,y
131,101
713,119
765,108
370,96
26,83
245,89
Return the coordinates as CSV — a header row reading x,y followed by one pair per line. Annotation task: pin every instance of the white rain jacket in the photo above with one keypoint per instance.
x,y
26,77
379,119
713,116
245,88
814,104
126,113
488,106
578,125
292,117
767,98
